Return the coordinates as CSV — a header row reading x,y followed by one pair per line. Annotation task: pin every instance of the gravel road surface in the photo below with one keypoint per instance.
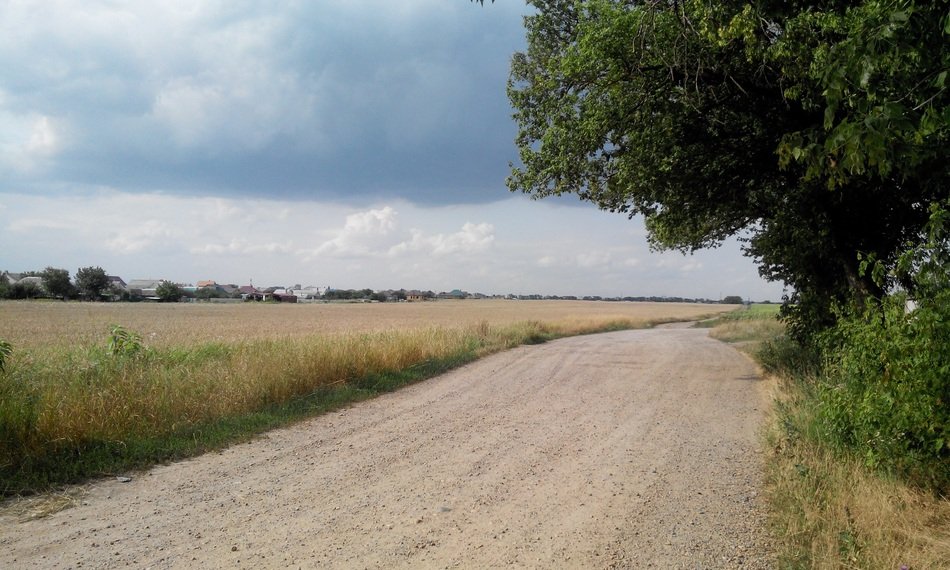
x,y
633,449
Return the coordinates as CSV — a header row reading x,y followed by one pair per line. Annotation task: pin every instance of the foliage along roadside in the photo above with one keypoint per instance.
x,y
69,415
833,504
884,390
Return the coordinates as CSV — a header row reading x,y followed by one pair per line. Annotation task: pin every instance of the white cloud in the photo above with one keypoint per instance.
x,y
593,259
27,225
240,247
690,266
679,263
134,239
43,138
470,239
364,233
27,142
218,210
373,222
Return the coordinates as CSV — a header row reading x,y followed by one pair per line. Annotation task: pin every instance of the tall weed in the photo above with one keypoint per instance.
x,y
6,349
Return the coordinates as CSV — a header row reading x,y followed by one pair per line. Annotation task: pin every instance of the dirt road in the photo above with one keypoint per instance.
x,y
623,450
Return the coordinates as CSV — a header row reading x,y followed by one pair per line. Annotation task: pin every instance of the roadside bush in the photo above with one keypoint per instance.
x,y
886,387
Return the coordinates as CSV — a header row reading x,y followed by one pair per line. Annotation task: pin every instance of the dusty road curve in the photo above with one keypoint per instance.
x,y
620,450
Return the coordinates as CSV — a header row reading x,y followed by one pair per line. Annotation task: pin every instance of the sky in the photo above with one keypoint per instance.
x,y
341,143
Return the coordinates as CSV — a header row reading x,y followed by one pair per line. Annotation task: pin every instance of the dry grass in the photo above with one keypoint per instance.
x,y
28,324
41,506
830,511
89,399
743,330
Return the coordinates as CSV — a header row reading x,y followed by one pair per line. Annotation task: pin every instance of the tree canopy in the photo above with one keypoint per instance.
x,y
815,131
91,282
57,283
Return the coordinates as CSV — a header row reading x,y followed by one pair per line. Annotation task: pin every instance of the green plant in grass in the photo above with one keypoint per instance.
x,y
124,343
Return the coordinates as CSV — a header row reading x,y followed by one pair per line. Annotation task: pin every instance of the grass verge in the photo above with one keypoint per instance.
x,y
828,509
70,414
749,325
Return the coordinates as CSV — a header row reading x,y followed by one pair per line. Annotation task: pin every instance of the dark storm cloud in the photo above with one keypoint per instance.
x,y
289,100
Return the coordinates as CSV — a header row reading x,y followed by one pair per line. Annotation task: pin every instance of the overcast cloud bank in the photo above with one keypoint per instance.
x,y
350,143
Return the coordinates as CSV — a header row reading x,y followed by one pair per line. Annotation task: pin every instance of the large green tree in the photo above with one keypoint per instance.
x,y
815,131
92,282
57,283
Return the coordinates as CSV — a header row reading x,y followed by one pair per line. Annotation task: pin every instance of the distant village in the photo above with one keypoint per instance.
x,y
94,284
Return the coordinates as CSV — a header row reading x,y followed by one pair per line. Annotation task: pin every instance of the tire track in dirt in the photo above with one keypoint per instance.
x,y
621,450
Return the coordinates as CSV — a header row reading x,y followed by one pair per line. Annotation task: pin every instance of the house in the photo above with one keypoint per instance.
x,y
206,283
144,287
10,278
229,289
252,293
117,282
453,294
32,280
308,292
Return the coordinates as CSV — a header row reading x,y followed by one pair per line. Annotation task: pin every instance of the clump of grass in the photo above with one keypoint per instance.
x,y
70,413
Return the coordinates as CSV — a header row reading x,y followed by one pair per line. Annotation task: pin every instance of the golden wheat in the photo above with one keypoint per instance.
x,y
29,324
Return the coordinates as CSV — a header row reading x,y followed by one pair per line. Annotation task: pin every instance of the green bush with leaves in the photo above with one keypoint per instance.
x,y
886,392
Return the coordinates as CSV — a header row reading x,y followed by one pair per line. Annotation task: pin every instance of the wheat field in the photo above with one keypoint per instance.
x,y
31,324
